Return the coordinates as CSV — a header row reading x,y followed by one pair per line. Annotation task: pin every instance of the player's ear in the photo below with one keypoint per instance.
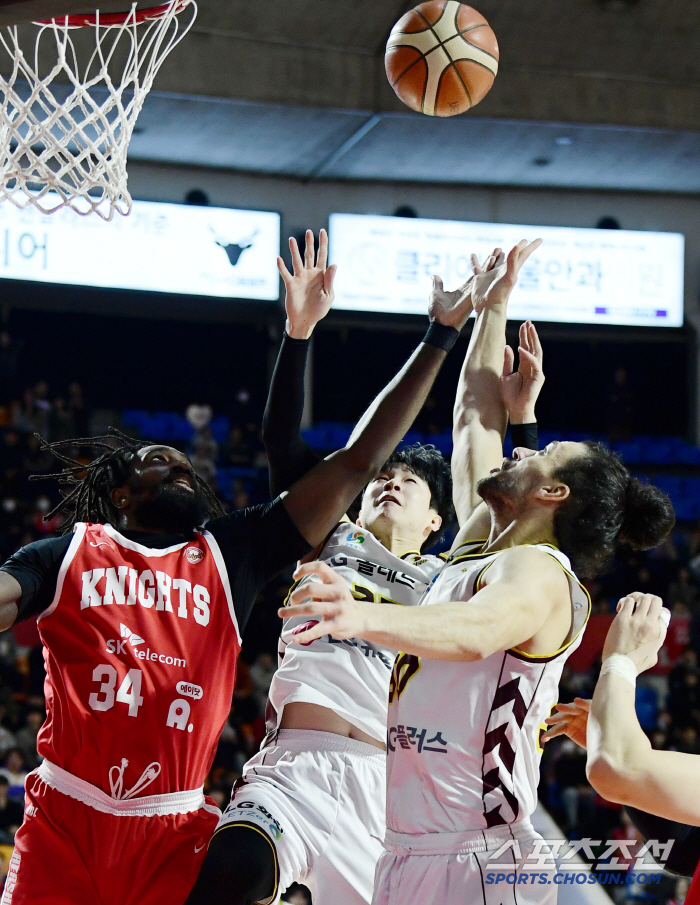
x,y
553,493
433,525
121,497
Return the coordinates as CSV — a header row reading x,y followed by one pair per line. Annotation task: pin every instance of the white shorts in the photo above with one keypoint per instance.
x,y
459,868
320,798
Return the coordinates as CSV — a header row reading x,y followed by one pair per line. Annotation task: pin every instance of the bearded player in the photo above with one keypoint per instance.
x,y
140,613
484,654
317,788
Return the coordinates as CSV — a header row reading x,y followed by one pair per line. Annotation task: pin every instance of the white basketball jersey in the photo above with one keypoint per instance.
x,y
464,738
350,677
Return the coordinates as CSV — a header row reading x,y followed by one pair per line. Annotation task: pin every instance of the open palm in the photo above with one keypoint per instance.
x,y
310,288
520,389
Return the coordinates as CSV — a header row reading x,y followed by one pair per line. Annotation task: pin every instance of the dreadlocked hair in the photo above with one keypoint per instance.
x,y
86,488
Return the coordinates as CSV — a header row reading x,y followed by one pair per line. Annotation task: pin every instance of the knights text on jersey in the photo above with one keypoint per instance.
x,y
473,762
350,677
140,648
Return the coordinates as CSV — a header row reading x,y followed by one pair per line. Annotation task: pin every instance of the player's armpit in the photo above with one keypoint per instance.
x,y
476,527
10,596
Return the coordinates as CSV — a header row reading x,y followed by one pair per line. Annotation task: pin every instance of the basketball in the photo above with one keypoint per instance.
x,y
441,58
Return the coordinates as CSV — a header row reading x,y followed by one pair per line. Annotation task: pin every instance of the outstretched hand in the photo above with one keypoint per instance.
x,y
328,599
495,279
570,720
521,388
310,289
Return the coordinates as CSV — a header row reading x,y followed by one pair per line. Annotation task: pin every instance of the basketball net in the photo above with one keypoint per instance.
x,y
64,135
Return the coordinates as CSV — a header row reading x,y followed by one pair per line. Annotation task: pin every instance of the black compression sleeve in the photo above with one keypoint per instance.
x,y
256,544
36,568
289,456
524,435
240,868
685,852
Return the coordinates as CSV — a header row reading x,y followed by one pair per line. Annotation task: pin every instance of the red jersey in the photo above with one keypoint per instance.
x,y
140,647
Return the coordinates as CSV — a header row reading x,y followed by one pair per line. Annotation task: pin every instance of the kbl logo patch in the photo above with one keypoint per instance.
x,y
194,555
355,539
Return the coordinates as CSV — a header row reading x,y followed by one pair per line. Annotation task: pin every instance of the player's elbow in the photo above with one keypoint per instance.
x,y
8,616
611,778
360,462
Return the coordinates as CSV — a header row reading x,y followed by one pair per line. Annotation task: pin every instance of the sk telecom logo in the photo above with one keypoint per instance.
x,y
133,639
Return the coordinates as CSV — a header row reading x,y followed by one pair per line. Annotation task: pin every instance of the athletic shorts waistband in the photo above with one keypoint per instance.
x,y
147,806
311,740
465,842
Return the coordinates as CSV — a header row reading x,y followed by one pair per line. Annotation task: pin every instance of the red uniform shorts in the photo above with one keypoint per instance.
x,y
68,853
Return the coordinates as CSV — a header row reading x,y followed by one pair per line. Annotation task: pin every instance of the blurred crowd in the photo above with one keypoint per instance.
x,y
235,466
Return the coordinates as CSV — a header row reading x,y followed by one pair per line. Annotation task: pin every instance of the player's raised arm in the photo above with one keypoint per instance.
x,y
622,766
309,295
480,414
318,500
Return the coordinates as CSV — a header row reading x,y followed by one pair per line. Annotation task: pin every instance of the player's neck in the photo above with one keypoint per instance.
x,y
395,540
130,522
526,528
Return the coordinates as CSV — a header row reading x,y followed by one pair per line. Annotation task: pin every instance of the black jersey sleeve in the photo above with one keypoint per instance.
x,y
36,568
685,852
256,545
290,457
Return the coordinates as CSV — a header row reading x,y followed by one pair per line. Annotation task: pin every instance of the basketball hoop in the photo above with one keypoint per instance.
x,y
65,145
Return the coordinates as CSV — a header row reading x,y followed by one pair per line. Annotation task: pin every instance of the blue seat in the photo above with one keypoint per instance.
x,y
647,706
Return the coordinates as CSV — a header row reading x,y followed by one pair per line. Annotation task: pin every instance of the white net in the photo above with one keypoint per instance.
x,y
65,125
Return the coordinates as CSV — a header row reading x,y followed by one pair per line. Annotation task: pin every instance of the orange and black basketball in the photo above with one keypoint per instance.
x,y
441,58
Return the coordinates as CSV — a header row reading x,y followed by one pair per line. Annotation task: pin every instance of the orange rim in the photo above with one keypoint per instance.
x,y
110,19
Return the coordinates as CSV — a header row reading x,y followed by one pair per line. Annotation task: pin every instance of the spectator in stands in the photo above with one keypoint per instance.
x,y
683,590
15,771
78,410
261,672
35,459
684,700
203,466
11,456
688,741
26,738
241,499
621,408
9,356
42,506
237,452
61,424
11,814
203,443
576,795
42,407
7,739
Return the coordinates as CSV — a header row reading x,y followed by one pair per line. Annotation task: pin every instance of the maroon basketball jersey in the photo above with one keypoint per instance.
x,y
140,648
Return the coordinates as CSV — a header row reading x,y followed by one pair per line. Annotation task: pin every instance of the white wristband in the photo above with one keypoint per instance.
x,y
621,665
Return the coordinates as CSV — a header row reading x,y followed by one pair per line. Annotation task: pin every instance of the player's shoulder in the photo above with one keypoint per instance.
x,y
46,548
541,563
